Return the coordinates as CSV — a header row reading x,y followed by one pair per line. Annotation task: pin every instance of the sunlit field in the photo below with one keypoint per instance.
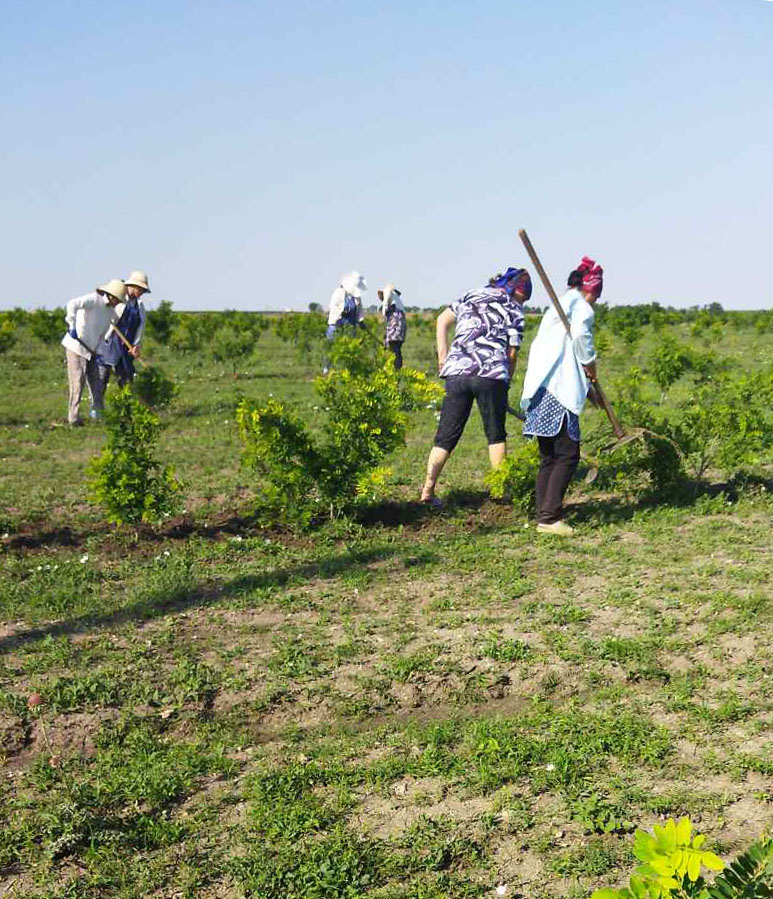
x,y
392,702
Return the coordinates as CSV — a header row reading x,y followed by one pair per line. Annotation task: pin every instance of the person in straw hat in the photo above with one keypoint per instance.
x,y
396,325
88,320
114,355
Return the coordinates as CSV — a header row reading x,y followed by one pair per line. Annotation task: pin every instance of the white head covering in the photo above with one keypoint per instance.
x,y
391,296
354,283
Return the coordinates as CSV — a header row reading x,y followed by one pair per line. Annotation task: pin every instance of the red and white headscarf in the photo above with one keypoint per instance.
x,y
592,276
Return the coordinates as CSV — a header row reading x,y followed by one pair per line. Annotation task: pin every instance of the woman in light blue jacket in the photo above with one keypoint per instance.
x,y
555,389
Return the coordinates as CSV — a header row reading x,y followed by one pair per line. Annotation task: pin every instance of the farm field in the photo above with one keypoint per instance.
x,y
394,703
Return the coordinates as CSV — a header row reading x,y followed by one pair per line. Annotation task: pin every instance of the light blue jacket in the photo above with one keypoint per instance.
x,y
556,360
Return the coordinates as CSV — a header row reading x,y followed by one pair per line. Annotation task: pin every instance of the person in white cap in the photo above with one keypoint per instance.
x,y
113,354
346,306
396,324
88,320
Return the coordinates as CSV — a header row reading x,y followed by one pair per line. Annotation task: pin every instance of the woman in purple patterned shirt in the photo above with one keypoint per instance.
x,y
478,366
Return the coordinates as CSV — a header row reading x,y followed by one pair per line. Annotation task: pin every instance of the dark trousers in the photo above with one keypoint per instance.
x,y
559,456
102,379
396,346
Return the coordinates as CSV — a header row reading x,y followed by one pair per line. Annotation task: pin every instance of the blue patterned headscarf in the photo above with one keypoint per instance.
x,y
512,281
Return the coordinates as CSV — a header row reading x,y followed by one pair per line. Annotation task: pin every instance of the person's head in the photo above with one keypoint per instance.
x,y
354,283
588,278
114,292
516,282
137,284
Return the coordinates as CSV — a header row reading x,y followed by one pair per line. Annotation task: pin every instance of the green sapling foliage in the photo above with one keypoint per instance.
x,y
161,322
515,477
7,334
152,387
127,478
301,474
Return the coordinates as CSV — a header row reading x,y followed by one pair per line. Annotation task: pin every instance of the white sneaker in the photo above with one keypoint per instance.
x,y
94,414
557,527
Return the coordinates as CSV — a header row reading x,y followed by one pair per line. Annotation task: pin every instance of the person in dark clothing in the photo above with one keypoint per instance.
x,y
396,324
478,367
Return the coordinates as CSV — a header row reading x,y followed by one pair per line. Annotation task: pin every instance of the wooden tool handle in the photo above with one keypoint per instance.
x,y
607,407
545,280
605,404
126,343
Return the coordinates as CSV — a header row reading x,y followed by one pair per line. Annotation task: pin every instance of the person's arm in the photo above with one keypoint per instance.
x,y
512,359
444,322
336,306
360,314
582,341
87,301
514,337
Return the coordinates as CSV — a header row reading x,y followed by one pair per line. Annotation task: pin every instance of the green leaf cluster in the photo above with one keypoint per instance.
x,y
127,478
515,477
672,861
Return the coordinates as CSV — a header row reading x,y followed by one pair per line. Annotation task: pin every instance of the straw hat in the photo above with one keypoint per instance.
x,y
116,288
354,283
138,279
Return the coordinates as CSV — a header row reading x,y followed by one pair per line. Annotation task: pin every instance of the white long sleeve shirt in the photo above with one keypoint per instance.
x,y
556,359
337,300
91,316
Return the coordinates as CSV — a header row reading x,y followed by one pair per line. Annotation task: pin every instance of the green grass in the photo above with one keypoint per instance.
x,y
400,704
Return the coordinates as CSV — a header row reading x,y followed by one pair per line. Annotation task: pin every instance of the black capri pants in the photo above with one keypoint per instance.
x,y
491,397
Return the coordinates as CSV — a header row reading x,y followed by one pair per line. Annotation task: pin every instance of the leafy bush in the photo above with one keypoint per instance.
x,y
669,362
727,424
647,468
231,343
301,475
126,478
152,387
672,862
515,477
48,325
187,334
161,322
7,335
302,329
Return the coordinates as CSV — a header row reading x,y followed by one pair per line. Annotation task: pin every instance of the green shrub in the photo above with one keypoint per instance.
x,y
303,330
301,475
726,424
515,477
187,334
647,468
7,335
231,344
152,387
161,321
48,325
126,478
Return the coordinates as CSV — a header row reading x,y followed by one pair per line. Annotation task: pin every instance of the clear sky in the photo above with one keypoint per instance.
x,y
246,154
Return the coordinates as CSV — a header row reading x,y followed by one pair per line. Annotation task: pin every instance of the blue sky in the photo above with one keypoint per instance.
x,y
247,154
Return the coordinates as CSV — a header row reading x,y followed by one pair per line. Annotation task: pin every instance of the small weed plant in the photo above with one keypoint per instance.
x,y
514,479
672,862
127,478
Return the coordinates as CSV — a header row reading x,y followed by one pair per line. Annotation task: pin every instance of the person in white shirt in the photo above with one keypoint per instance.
x,y
555,388
346,306
113,354
88,320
